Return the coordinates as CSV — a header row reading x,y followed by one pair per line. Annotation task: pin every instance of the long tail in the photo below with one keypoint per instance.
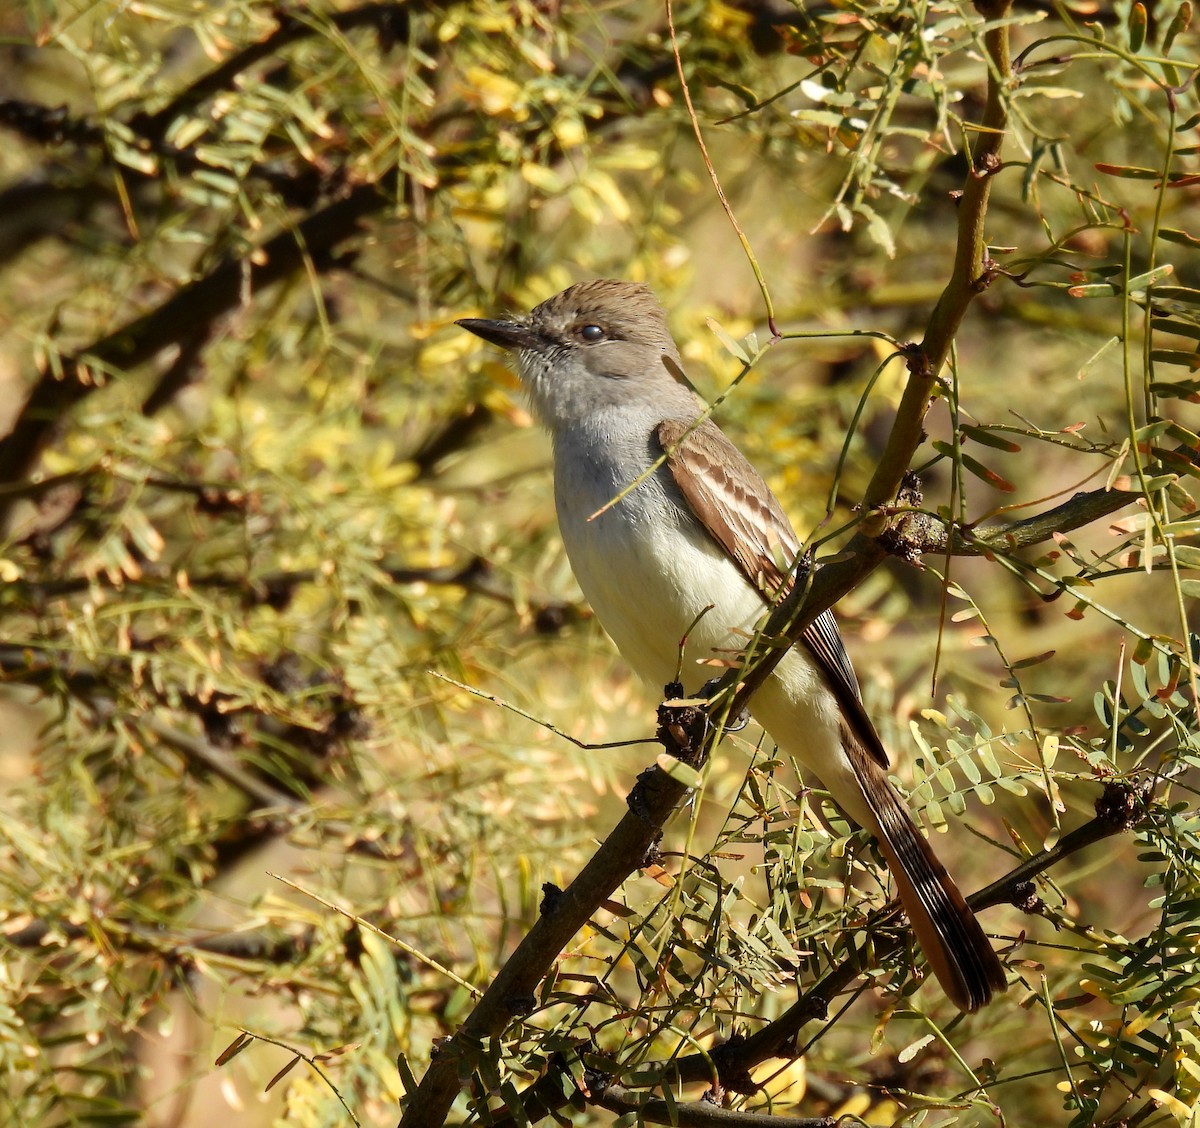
x,y
954,944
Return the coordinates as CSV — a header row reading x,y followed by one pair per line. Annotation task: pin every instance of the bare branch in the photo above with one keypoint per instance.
x,y
697,1114
1075,513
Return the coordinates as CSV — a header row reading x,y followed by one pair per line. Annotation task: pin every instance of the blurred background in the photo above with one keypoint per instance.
x,y
290,651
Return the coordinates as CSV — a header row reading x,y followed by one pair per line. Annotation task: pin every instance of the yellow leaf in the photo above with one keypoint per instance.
x,y
494,94
569,132
1185,1114
542,178
606,190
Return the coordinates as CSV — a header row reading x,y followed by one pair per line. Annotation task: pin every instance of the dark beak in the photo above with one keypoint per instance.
x,y
506,334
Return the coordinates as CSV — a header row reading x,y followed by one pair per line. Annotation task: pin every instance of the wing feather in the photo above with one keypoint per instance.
x,y
739,511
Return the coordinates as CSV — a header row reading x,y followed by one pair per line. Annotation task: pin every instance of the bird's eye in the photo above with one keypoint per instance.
x,y
592,333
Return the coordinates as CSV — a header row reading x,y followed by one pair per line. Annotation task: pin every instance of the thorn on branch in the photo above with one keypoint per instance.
x,y
550,898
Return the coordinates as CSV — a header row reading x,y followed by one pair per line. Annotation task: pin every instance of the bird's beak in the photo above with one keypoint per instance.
x,y
506,334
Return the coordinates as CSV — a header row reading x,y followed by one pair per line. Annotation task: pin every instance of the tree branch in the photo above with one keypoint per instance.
x,y
1118,809
564,913
71,379
970,275
257,947
697,1114
476,576
391,19
57,392
1080,510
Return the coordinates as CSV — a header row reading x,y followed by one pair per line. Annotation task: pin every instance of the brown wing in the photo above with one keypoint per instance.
x,y
739,511
732,502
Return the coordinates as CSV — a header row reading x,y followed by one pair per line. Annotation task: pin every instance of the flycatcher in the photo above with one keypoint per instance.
x,y
704,531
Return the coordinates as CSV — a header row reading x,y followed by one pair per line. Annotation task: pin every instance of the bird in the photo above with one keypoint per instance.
x,y
676,540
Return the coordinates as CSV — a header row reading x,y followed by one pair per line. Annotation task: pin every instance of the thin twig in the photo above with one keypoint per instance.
x,y
726,206
407,949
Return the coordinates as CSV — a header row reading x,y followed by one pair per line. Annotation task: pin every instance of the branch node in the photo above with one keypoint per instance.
x,y
681,730
908,536
640,801
1025,898
916,359
595,1082
519,1005
733,1074
1122,805
989,164
653,855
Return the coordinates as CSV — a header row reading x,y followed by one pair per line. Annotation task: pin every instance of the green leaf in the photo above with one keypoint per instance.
x,y
1094,290
879,230
1190,360
826,118
1137,26
1184,294
990,476
1183,18
1035,660
1088,364
1179,328
678,770
1150,278
1175,235
1127,172
1178,389
989,438
731,346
